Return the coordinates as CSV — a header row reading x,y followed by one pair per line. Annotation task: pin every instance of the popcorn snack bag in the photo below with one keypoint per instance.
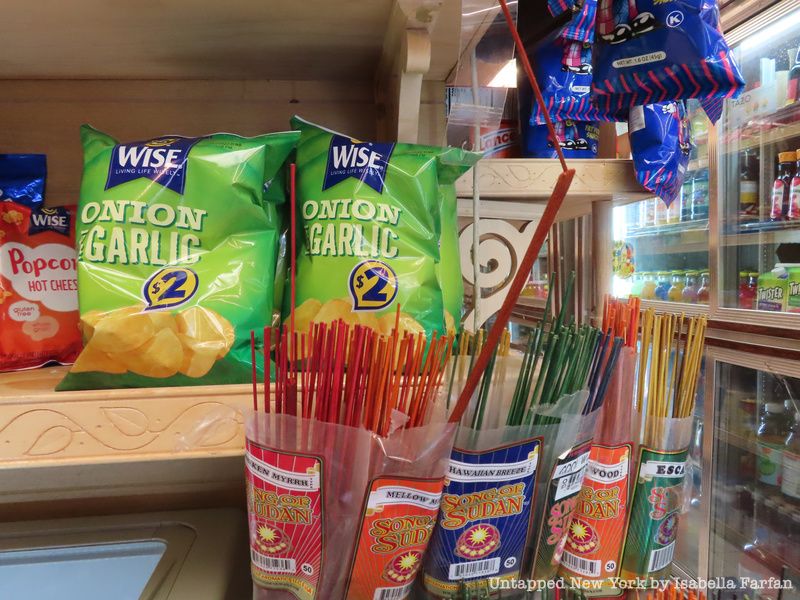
x,y
178,239
372,219
38,286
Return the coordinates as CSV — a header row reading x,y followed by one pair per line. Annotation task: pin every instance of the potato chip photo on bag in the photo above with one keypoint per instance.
x,y
178,244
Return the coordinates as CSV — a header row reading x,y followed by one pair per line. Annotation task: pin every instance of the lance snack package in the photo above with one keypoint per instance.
x,y
649,51
371,214
577,140
38,286
178,240
660,138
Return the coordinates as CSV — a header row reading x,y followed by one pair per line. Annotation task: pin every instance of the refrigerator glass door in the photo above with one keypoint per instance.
x,y
755,521
660,252
759,183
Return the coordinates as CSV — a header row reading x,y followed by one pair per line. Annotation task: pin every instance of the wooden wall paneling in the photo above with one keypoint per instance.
x,y
45,116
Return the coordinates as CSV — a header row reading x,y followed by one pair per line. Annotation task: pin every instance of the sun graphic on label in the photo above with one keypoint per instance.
x,y
478,541
581,537
271,540
373,285
403,567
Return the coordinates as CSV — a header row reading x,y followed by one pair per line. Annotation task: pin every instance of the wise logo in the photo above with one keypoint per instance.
x,y
364,161
373,285
162,160
170,287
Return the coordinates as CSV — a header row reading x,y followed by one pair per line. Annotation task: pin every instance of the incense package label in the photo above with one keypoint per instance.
x,y
595,536
396,525
484,522
284,500
562,495
653,524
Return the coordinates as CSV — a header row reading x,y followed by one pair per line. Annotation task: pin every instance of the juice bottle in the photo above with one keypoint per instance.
x,y
772,289
690,289
790,486
662,285
686,198
704,291
661,213
638,283
648,286
674,210
747,289
748,187
793,211
770,439
647,209
700,195
781,186
675,292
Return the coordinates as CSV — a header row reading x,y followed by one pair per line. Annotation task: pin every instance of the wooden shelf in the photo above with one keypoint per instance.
x,y
122,443
202,39
523,180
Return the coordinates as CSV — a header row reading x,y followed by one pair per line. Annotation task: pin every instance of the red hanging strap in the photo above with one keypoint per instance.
x,y
545,223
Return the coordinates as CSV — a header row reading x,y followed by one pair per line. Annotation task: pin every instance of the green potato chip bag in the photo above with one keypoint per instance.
x,y
449,267
371,218
177,248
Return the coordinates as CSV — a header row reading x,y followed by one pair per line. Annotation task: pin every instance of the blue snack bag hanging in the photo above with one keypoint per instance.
x,y
649,51
564,71
22,178
577,140
581,26
660,139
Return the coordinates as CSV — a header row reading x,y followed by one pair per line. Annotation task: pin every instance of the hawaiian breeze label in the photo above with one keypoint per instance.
x,y
484,522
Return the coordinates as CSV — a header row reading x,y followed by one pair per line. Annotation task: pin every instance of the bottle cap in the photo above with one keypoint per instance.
x,y
677,272
753,274
744,273
786,157
774,407
692,273
706,273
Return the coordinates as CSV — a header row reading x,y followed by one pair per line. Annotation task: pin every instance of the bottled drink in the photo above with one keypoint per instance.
x,y
782,185
704,291
661,213
790,486
770,439
793,89
648,212
748,284
648,286
793,210
674,211
675,291
662,285
690,289
686,197
700,195
748,187
638,283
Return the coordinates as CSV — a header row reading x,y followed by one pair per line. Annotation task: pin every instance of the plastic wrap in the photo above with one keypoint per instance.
x,y
336,511
657,500
593,546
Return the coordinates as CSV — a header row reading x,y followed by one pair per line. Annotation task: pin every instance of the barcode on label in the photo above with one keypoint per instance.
x,y
582,566
276,565
478,568
661,558
398,593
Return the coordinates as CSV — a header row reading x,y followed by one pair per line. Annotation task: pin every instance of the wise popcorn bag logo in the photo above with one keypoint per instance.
x,y
484,522
284,499
396,525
